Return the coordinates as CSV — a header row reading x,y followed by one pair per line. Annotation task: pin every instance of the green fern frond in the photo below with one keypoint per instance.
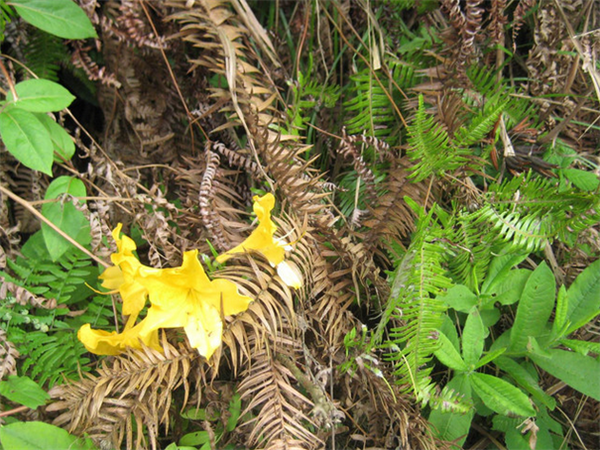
x,y
44,53
445,401
529,210
40,330
50,357
413,308
309,96
489,95
347,196
430,145
469,256
480,125
370,110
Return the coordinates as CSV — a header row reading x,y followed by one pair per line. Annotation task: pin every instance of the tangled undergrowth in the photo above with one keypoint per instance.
x,y
434,166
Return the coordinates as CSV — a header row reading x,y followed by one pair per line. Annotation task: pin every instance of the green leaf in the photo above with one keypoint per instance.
x,y
460,298
451,426
499,268
23,390
501,396
26,138
584,180
525,380
584,297
235,408
64,215
489,357
449,329
535,307
582,347
63,144
448,355
41,96
473,338
578,371
509,290
62,18
195,439
559,326
40,436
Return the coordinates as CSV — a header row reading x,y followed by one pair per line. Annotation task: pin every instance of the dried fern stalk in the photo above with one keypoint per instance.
x,y
131,394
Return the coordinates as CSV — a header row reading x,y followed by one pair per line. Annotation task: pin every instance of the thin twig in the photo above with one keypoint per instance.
x,y
39,215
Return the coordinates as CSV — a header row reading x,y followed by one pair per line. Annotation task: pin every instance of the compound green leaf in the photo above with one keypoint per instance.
x,y
581,347
560,324
63,144
584,180
460,298
509,290
27,139
578,371
448,355
525,380
473,338
64,215
23,390
63,18
500,267
535,307
501,396
40,96
490,356
452,426
40,436
584,297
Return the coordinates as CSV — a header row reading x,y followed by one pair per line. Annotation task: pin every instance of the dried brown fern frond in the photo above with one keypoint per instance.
x,y
8,356
223,40
209,217
391,218
129,24
518,16
498,21
131,394
473,22
269,386
271,311
80,58
349,150
392,418
210,195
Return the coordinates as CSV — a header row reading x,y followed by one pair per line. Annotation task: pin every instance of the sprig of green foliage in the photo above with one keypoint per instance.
x,y
45,337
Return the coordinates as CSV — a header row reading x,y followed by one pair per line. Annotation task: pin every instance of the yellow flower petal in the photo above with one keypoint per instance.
x,y
204,330
103,342
261,239
122,276
186,297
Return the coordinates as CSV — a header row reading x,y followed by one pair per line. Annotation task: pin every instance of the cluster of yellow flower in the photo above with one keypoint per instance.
x,y
183,296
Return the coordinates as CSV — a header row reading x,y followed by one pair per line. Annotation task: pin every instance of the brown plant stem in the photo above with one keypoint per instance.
x,y
39,215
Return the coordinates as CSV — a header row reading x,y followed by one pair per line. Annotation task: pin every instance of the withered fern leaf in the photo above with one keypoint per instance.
x,y
129,397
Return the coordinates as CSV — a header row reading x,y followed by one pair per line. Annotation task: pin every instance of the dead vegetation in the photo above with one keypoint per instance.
x,y
195,113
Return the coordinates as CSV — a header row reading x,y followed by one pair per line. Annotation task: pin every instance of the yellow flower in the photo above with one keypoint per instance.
x,y
185,297
122,276
103,342
262,240
179,297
